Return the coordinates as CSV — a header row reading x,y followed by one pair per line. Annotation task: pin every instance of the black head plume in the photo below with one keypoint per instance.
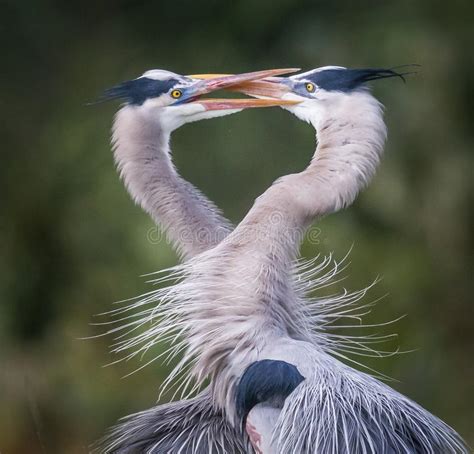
x,y
136,91
342,79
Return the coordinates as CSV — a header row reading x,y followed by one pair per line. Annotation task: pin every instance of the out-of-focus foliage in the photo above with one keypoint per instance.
x,y
72,242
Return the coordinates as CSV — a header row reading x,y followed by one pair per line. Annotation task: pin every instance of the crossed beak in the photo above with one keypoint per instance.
x,y
258,83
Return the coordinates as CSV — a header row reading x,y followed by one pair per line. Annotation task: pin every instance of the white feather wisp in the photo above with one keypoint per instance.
x,y
208,323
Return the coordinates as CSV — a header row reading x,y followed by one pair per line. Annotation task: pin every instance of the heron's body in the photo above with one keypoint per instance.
x,y
240,308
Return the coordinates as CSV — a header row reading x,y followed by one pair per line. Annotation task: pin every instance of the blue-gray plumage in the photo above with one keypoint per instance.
x,y
190,426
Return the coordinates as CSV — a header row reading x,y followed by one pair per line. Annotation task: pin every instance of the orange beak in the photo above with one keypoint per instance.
x,y
248,83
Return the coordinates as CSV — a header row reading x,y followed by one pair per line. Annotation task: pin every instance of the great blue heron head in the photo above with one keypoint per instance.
x,y
316,89
179,99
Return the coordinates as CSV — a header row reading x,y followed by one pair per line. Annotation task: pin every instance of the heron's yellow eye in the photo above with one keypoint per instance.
x,y
310,87
176,94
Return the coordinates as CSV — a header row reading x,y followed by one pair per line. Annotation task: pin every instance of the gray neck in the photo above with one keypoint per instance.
x,y
351,135
141,149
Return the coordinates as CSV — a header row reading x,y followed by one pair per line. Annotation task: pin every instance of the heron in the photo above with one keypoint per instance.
x,y
240,314
156,104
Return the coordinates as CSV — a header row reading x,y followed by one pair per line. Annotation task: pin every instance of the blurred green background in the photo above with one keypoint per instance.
x,y
72,242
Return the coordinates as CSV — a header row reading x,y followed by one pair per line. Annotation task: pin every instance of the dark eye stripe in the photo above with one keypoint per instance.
x,y
348,79
139,90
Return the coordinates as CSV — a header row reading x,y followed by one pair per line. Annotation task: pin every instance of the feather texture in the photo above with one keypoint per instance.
x,y
342,411
192,426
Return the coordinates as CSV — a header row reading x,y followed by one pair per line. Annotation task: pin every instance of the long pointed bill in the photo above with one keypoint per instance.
x,y
274,87
245,103
213,82
243,83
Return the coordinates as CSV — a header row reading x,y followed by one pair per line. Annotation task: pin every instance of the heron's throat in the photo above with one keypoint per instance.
x,y
350,135
143,157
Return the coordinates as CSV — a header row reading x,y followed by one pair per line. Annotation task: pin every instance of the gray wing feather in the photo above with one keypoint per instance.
x,y
190,426
363,416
